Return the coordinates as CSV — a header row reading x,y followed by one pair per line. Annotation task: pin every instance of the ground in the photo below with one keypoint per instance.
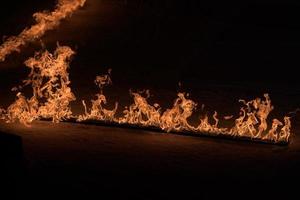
x,y
72,159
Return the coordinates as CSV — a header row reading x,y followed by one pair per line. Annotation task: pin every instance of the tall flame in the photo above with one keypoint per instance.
x,y
45,21
50,82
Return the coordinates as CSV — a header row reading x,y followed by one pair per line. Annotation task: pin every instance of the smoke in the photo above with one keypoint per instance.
x,y
45,21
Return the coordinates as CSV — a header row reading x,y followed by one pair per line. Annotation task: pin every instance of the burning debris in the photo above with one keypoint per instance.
x,y
45,21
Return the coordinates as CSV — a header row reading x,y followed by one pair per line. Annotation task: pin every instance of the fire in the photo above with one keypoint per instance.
x,y
51,97
24,110
141,112
98,112
2,113
251,123
49,79
45,21
175,119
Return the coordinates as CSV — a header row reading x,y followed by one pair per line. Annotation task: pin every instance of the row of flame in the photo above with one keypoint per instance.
x,y
52,95
49,79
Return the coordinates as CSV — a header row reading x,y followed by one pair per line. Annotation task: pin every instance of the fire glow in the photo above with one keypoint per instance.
x,y
49,79
52,95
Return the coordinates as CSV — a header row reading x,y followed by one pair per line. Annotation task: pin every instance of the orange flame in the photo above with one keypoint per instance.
x,y
175,119
45,21
2,113
49,79
252,122
52,95
140,112
98,112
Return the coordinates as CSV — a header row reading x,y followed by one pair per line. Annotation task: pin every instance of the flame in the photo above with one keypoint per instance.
x,y
251,123
52,94
24,110
98,112
45,21
175,119
49,79
2,113
141,112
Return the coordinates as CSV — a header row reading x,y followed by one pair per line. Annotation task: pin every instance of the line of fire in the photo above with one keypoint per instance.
x,y
142,99
52,94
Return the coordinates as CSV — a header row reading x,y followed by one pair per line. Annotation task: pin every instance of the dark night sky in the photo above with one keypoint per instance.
x,y
188,40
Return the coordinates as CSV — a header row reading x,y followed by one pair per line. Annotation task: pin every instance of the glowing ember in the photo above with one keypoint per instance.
x,y
45,21
52,95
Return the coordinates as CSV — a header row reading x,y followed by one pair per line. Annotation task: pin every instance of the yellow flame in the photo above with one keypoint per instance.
x,y
45,21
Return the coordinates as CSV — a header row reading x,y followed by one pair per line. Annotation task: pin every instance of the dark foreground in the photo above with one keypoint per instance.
x,y
68,160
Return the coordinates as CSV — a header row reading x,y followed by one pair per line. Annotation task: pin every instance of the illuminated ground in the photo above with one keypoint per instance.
x,y
91,160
